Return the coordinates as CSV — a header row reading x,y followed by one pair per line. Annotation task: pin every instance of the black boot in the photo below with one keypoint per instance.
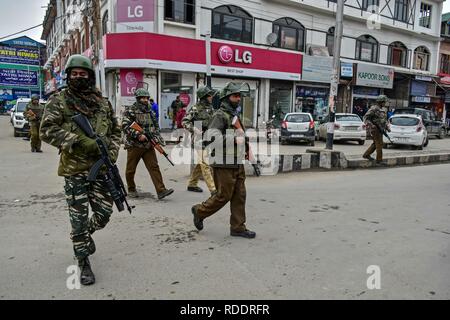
x,y
198,222
165,193
87,276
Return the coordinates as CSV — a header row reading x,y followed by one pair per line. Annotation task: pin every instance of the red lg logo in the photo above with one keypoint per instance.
x,y
225,54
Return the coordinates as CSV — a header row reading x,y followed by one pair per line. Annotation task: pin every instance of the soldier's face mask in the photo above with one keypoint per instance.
x,y
79,80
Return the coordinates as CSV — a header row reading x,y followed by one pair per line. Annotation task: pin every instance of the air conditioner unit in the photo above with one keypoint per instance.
x,y
316,50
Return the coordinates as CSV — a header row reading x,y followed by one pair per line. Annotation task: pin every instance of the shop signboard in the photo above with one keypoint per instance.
x,y
135,15
20,78
374,76
23,56
424,78
346,69
317,69
129,79
421,99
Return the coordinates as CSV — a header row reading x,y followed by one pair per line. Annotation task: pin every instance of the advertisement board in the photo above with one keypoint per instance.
x,y
317,69
374,76
19,55
20,78
135,15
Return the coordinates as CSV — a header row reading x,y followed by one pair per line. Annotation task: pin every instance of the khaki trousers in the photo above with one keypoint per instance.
x,y
134,155
376,145
202,169
230,184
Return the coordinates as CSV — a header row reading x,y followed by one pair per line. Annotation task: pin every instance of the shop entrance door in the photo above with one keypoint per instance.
x,y
248,102
280,100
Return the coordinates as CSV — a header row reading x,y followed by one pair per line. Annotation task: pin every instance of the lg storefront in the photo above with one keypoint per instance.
x,y
169,66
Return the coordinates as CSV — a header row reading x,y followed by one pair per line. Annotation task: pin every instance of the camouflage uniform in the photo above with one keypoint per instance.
x,y
202,111
136,150
35,122
378,116
58,129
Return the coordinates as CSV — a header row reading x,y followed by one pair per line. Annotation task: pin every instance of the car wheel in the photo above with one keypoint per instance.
x,y
426,142
441,133
16,133
361,142
283,141
312,143
421,146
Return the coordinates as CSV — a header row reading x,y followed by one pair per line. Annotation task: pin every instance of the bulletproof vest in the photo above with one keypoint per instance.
x,y
38,110
144,117
204,113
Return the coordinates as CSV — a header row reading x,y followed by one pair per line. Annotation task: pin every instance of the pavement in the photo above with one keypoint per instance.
x,y
319,235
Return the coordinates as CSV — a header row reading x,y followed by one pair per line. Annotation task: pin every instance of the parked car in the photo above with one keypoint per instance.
x,y
347,127
434,126
407,129
18,121
298,126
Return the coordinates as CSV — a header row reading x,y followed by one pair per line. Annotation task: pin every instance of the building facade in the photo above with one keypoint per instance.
x,y
282,48
20,69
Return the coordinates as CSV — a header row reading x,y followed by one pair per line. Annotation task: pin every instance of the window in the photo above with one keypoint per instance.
x,y
330,40
180,11
105,23
367,48
291,34
401,10
370,4
425,15
421,58
398,54
445,63
232,23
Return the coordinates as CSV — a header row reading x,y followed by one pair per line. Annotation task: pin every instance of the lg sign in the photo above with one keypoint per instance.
x,y
226,55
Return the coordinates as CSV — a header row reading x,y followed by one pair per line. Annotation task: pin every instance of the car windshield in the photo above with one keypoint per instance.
x,y
20,107
404,121
298,118
348,117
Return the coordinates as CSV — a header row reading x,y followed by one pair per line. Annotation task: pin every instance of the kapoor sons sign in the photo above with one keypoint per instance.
x,y
374,76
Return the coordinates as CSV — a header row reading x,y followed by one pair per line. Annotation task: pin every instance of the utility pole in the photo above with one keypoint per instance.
x,y
338,30
208,59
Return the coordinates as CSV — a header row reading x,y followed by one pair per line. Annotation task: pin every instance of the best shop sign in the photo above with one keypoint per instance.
x,y
373,76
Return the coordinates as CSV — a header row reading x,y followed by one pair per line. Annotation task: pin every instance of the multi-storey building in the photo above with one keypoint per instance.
x,y
70,27
281,48
443,89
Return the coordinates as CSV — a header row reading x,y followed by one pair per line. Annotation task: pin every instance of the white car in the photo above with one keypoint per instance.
x,y
347,127
18,121
407,129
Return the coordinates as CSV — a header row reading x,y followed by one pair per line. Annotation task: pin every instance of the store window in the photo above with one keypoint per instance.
x,y
291,34
421,58
367,48
280,100
105,23
370,5
182,11
232,23
445,64
398,54
313,100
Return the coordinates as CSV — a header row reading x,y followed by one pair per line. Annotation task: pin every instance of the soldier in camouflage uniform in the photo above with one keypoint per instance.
x,y
79,153
137,145
33,114
201,113
377,116
229,173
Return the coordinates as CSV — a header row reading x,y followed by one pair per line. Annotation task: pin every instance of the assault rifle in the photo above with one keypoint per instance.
x,y
153,140
381,130
112,177
236,122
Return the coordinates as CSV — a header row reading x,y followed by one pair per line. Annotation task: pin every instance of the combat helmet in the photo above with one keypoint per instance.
x,y
35,97
205,91
229,89
382,98
141,92
80,61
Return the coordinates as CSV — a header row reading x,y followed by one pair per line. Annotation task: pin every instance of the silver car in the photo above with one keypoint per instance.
x,y
347,127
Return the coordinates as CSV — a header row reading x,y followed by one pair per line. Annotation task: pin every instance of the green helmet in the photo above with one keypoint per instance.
x,y
141,92
382,98
205,91
229,89
34,97
79,61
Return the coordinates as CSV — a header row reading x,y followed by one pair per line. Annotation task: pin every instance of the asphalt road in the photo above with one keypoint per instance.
x,y
317,234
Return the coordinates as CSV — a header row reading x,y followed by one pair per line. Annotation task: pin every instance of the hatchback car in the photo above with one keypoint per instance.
x,y
407,129
347,127
434,126
298,126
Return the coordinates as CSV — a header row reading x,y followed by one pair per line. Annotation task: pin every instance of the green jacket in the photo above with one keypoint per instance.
x,y
202,111
145,117
38,110
58,129
221,123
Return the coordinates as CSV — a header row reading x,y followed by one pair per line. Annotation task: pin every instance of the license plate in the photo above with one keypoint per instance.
x,y
351,128
297,135
401,139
